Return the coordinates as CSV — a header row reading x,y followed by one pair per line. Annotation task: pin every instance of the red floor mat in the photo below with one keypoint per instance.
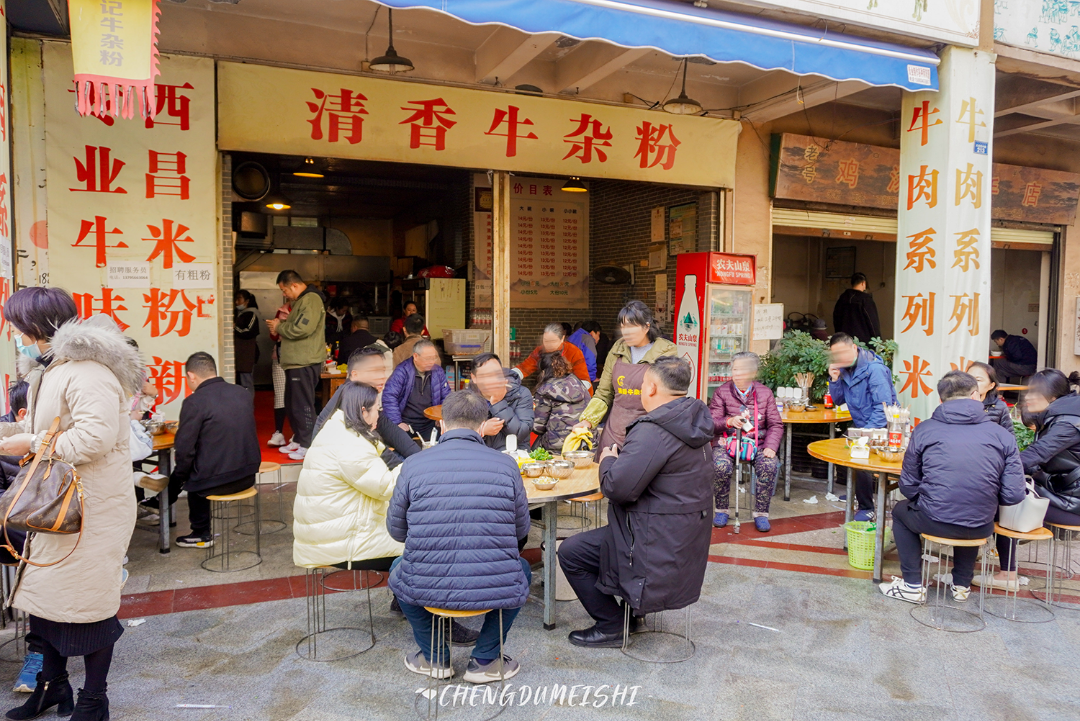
x,y
264,423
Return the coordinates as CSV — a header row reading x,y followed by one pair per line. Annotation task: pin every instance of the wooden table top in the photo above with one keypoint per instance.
x,y
164,441
1010,387
434,413
581,482
326,375
819,415
835,451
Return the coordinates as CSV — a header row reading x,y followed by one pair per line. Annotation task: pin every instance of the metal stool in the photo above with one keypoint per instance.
x,y
13,615
1059,573
595,500
1010,599
221,554
441,620
344,638
681,651
937,613
268,525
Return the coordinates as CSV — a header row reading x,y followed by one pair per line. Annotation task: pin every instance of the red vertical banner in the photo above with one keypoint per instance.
x,y
7,279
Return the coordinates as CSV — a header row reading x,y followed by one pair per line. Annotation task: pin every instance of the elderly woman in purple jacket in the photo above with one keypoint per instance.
x,y
740,400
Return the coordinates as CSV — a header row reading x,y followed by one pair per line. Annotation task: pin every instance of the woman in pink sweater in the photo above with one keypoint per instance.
x,y
740,400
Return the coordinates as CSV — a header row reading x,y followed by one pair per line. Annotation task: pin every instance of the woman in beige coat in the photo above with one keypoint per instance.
x,y
85,373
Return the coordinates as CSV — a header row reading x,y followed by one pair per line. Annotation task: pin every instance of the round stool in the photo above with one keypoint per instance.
x,y
343,641
936,614
220,553
1062,536
681,651
441,620
593,500
1010,601
267,525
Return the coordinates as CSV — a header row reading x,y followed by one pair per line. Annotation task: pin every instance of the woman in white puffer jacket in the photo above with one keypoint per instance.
x,y
339,516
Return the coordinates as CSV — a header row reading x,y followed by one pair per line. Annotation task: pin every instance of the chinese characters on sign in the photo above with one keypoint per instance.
x,y
133,213
7,348
549,246
375,119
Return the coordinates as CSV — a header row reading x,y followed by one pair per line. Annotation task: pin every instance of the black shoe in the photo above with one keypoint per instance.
x,y
46,695
195,540
91,707
463,635
151,502
595,638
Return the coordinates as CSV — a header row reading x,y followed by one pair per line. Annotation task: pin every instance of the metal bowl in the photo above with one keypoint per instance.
x,y
171,426
890,456
560,469
796,408
580,459
154,428
533,470
545,483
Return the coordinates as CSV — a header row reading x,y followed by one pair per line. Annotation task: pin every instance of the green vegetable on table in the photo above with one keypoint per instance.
x,y
1024,435
541,454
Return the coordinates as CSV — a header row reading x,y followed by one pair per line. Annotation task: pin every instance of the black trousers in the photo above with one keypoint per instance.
x,y
301,385
865,487
199,507
909,521
579,557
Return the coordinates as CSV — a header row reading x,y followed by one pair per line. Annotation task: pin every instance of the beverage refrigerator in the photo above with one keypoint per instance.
x,y
715,315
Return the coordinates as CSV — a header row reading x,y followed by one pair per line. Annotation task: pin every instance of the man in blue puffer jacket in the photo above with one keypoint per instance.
x,y
861,379
461,511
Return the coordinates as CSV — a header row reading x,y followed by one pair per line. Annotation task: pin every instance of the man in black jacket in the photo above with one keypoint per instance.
x,y
511,404
217,449
360,337
1019,357
368,365
655,548
856,313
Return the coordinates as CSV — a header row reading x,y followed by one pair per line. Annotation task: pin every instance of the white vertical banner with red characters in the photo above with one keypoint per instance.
x,y
133,221
7,274
943,254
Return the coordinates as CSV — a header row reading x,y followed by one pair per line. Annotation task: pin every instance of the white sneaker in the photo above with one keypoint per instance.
x,y
298,454
960,594
276,440
990,581
290,448
900,590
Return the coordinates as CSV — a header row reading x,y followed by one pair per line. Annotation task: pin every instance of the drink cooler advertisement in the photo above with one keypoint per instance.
x,y
715,315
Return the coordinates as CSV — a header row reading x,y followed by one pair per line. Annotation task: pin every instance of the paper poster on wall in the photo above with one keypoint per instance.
x,y
128,274
657,225
682,228
768,321
549,245
138,192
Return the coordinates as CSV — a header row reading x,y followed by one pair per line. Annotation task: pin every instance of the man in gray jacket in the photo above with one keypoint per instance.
x,y
511,404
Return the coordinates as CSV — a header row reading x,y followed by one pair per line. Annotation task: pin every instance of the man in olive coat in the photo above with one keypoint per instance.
x,y
655,548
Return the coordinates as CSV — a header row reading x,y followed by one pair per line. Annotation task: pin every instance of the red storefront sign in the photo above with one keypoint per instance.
x,y
732,269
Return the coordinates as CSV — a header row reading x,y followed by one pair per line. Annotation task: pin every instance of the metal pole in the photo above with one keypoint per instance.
x,y
551,517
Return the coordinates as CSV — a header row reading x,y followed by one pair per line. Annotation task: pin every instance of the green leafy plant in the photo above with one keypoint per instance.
x,y
887,350
797,352
1024,435
541,454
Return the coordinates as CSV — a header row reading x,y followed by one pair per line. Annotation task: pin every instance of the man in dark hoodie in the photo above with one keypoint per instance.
x,y
860,379
510,403
660,488
855,312
959,467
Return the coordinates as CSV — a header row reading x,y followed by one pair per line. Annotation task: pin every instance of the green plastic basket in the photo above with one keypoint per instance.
x,y
860,544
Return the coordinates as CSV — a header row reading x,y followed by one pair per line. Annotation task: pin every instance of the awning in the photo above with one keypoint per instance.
x,y
683,30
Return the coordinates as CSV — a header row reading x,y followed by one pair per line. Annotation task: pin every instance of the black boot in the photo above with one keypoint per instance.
x,y
91,707
46,695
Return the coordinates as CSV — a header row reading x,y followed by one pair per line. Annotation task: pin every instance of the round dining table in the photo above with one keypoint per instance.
x,y
791,419
836,451
433,413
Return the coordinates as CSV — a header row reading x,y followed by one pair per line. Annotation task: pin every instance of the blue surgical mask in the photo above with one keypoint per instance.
x,y
30,351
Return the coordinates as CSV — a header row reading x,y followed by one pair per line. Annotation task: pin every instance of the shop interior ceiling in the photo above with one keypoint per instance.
x,y
1031,98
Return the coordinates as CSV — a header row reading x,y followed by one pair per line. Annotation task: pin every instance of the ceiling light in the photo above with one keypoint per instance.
x,y
391,62
683,105
309,170
528,90
574,185
277,201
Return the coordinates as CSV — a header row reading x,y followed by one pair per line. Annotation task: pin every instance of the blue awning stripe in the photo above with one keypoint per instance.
x,y
684,30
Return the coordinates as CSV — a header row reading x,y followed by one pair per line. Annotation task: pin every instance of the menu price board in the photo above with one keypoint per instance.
x,y
549,246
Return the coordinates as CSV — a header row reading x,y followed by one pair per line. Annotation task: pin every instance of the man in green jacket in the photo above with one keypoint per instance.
x,y
302,354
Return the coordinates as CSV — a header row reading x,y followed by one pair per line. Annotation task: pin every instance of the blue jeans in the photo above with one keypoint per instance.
x,y
487,645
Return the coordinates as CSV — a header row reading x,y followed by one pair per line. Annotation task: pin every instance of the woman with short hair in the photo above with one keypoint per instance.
x,y
617,397
84,375
740,401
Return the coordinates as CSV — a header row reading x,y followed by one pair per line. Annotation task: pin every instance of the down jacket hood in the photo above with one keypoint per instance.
x,y
687,419
961,412
99,339
1065,406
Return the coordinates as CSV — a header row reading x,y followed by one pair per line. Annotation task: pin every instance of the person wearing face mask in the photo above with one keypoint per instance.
x,y
986,377
1052,460
618,393
246,339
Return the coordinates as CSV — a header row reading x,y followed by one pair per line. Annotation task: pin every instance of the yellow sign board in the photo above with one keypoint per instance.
x,y
298,112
